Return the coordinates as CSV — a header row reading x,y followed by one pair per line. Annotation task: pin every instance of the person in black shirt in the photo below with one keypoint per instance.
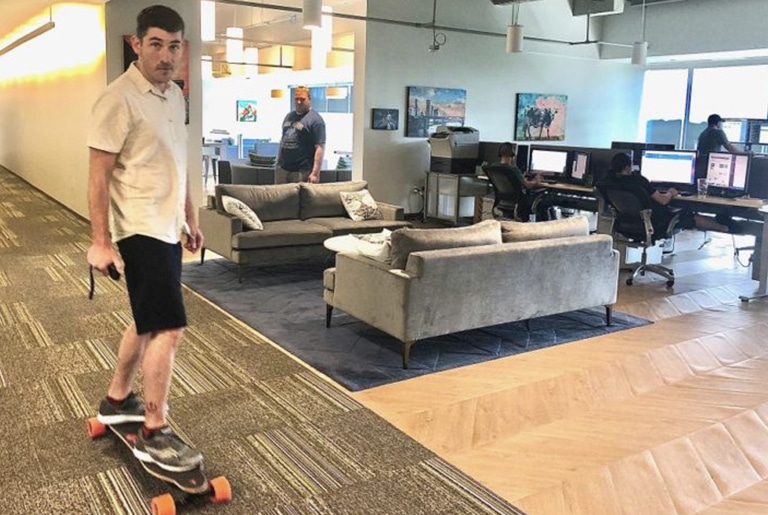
x,y
507,157
302,146
621,172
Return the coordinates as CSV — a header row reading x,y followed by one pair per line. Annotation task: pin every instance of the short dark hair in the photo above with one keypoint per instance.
x,y
304,89
714,119
619,162
506,149
158,16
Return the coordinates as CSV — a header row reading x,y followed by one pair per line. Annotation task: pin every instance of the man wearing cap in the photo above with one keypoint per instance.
x,y
713,138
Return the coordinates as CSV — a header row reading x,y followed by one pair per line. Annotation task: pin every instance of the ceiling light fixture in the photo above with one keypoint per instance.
x,y
515,32
207,20
42,29
335,93
640,48
313,12
277,93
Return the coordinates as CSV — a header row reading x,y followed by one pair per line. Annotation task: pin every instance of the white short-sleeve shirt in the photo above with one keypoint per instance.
x,y
146,129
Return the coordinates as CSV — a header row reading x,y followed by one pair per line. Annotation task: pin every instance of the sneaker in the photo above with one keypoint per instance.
x,y
167,450
130,410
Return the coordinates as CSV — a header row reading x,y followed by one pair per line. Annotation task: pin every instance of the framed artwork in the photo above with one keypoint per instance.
x,y
181,77
429,108
384,119
246,111
540,117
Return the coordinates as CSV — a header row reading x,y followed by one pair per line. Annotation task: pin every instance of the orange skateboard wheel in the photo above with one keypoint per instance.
x,y
222,492
95,428
163,505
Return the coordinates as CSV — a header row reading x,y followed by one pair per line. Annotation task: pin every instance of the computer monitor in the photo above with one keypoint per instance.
x,y
669,167
548,162
734,130
579,167
727,173
637,148
763,136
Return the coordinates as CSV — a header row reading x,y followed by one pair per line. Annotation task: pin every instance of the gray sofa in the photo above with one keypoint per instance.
x,y
297,219
243,172
506,271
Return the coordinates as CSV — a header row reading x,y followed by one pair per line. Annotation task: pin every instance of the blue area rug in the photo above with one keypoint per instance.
x,y
285,304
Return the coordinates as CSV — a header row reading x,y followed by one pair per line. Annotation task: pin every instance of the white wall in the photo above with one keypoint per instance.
x,y
42,129
603,97
44,119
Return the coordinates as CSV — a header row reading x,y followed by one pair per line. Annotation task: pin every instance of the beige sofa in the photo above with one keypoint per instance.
x,y
297,219
507,271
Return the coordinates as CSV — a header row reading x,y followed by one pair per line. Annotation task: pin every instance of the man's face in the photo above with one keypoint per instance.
x,y
302,102
159,54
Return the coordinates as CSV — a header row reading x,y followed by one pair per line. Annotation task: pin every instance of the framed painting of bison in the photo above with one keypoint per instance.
x,y
540,117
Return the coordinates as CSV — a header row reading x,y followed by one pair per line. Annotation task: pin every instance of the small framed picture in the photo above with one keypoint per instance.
x,y
384,119
246,110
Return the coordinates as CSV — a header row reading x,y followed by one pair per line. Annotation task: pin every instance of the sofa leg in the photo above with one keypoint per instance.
x,y
608,315
407,352
202,255
328,311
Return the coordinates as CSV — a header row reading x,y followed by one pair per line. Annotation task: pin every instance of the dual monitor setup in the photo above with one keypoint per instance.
x,y
570,166
726,173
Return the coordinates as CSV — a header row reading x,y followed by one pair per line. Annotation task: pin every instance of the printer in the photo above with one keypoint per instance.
x,y
454,149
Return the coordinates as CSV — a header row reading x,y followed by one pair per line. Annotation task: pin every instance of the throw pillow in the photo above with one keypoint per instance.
x,y
243,212
516,231
407,240
360,205
376,245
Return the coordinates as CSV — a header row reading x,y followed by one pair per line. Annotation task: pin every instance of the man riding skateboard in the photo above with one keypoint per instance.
x,y
138,198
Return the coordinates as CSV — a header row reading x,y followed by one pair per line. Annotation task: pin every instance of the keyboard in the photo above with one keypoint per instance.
x,y
549,181
686,194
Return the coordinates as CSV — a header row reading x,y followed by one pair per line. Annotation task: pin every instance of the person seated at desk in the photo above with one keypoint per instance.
x,y
621,172
507,157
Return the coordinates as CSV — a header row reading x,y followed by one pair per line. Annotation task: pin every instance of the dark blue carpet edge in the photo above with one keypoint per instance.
x,y
285,304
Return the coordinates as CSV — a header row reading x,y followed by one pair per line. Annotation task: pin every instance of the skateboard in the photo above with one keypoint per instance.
x,y
191,483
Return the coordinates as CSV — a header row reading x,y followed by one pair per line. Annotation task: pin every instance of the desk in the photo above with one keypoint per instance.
x,y
750,209
572,196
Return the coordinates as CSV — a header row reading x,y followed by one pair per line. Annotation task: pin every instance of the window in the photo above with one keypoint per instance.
x,y
734,92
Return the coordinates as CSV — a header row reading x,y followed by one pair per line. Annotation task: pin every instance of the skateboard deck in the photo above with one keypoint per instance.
x,y
191,482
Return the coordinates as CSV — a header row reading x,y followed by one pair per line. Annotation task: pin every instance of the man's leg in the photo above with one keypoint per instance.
x,y
128,361
158,368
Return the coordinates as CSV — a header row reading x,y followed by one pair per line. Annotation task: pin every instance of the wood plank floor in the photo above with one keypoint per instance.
x,y
670,418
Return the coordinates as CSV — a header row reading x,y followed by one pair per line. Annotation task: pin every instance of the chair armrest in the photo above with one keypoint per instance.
x,y
391,211
218,230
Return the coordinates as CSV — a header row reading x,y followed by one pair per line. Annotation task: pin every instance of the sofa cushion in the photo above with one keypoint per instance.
x,y
283,233
343,225
243,212
360,205
270,202
405,241
516,231
323,199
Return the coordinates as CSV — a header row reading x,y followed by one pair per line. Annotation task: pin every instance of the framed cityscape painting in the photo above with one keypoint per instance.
x,y
429,108
540,117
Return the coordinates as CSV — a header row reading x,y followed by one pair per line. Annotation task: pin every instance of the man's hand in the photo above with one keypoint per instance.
x,y
101,256
194,240
313,177
672,192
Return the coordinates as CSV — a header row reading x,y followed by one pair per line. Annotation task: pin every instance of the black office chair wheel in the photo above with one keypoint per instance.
x,y
670,283
630,281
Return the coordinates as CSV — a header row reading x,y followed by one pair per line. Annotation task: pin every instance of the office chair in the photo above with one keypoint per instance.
x,y
507,191
631,209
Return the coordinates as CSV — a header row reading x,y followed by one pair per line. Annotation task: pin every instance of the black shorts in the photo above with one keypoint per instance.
x,y
153,276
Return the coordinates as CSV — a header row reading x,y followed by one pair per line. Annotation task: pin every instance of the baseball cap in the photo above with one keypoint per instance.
x,y
714,119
